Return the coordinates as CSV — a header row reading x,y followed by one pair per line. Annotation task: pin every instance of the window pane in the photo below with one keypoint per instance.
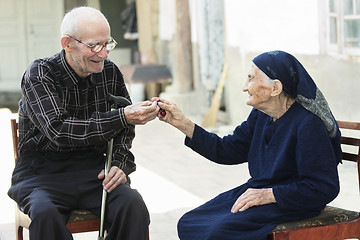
x,y
357,6
348,7
352,33
333,30
332,6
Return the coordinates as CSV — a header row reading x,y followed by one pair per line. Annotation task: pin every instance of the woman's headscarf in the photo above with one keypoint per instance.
x,y
298,84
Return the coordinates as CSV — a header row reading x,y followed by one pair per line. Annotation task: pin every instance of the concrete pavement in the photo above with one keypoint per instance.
x,y
171,178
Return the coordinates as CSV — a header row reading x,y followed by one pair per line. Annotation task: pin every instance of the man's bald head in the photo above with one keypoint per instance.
x,y
80,18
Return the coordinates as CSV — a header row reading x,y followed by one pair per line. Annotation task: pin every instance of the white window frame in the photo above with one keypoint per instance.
x,y
339,47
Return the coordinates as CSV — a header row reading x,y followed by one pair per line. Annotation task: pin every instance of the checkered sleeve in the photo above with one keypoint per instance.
x,y
45,109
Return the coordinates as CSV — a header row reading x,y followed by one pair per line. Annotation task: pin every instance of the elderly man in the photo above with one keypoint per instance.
x,y
65,123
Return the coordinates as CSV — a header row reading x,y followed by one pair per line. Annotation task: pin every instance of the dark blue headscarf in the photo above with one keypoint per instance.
x,y
298,84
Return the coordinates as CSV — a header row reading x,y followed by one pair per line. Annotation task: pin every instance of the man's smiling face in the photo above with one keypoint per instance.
x,y
80,57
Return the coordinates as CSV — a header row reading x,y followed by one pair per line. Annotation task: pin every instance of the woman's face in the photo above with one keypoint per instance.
x,y
259,88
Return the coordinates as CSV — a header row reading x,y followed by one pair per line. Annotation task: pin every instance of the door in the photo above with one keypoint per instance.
x,y
43,20
30,29
12,44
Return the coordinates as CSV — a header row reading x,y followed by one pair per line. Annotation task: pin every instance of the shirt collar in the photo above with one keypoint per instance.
x,y
70,77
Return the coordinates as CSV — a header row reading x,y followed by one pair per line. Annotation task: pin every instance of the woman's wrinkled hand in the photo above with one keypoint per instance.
x,y
174,116
253,197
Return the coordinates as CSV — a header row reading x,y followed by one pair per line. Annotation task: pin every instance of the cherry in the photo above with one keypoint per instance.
x,y
162,111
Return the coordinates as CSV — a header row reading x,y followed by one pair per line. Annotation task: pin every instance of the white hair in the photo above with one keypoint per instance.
x,y
72,20
265,77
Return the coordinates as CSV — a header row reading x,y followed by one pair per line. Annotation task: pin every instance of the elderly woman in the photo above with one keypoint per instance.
x,y
291,143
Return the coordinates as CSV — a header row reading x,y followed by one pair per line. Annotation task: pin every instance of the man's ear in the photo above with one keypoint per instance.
x,y
277,88
65,43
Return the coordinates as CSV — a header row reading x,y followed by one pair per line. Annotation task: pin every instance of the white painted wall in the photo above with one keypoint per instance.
x,y
29,30
167,19
263,25
298,27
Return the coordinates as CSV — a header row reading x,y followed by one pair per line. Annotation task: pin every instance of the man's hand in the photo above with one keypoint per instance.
x,y
141,113
114,178
253,197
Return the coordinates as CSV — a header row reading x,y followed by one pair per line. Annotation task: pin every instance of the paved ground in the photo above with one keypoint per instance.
x,y
171,178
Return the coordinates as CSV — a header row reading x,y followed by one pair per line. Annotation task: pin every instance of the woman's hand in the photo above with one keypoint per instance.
x,y
253,197
174,117
173,114
114,178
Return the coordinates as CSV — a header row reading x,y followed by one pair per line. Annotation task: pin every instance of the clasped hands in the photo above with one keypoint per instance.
x,y
143,112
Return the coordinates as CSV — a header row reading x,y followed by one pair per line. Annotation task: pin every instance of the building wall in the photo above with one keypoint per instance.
x,y
31,31
338,79
260,25
296,27
255,26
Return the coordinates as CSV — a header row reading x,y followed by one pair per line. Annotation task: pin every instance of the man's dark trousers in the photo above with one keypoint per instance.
x,y
49,198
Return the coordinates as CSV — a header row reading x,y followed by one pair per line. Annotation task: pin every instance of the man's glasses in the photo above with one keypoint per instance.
x,y
110,45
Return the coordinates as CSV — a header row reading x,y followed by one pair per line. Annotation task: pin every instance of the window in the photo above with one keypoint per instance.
x,y
344,26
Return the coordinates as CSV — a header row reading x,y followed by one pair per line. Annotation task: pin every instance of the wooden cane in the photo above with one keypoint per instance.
x,y
118,102
104,193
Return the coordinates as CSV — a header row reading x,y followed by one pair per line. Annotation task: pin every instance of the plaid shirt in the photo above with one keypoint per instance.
x,y
61,112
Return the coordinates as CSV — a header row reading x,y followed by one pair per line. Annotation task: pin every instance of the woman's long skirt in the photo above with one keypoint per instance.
x,y
214,220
